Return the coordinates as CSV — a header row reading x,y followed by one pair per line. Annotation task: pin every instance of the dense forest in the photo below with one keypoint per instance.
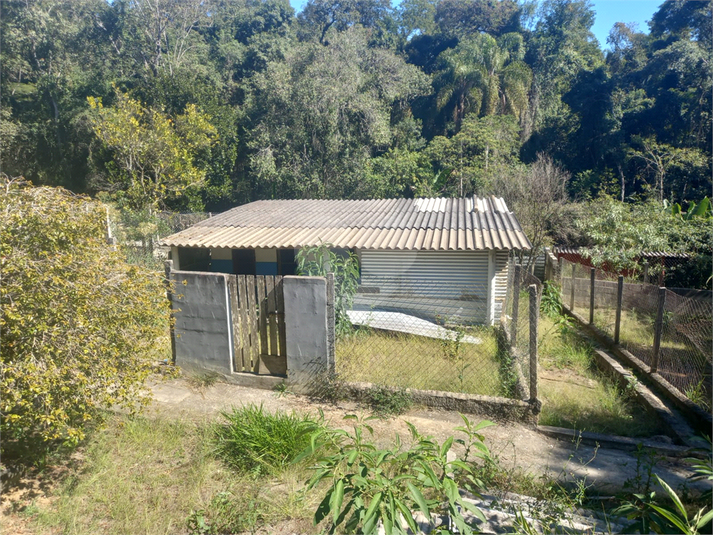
x,y
192,105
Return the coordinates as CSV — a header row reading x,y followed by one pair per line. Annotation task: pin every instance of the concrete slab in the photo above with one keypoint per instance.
x,y
404,323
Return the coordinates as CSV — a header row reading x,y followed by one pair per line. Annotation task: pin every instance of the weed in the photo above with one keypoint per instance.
x,y
328,387
385,401
551,302
226,514
368,486
203,381
256,442
281,390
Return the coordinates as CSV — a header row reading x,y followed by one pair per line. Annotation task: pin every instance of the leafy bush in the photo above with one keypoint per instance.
x,y
79,325
371,486
385,401
256,442
322,260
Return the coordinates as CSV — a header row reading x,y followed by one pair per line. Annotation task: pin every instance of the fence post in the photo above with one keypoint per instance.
x,y
658,329
646,271
571,293
515,304
592,280
619,295
168,268
331,327
534,320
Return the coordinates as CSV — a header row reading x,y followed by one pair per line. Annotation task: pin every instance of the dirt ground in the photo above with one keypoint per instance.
x,y
515,445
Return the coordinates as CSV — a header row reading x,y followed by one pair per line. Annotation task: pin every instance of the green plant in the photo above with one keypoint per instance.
x,y
203,381
321,260
282,390
224,515
551,302
257,442
328,387
370,486
80,327
679,517
385,401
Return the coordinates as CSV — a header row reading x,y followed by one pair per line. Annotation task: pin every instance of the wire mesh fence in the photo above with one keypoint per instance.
x,y
421,334
431,335
685,348
668,332
516,322
138,233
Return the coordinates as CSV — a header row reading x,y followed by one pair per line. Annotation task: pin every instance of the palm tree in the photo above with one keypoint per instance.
x,y
484,76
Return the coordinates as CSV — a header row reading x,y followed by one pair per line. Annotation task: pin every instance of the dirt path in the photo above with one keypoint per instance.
x,y
516,446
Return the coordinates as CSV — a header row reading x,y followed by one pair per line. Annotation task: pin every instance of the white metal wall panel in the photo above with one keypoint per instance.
x,y
501,281
449,284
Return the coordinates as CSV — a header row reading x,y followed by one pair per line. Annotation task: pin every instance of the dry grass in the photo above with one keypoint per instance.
x,y
156,476
409,361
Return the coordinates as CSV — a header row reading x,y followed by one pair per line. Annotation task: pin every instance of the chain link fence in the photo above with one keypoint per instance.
x,y
424,335
670,333
429,335
138,233
517,324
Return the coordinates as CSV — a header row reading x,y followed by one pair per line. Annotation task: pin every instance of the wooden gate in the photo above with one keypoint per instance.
x,y
258,317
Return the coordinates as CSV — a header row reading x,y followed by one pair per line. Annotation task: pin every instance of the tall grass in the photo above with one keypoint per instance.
x,y
256,442
577,395
157,476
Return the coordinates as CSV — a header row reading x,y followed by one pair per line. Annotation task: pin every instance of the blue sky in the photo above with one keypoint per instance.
x,y
608,12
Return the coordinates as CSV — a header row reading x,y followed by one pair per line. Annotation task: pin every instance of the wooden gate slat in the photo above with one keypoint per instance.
x,y
279,294
262,308
252,322
244,330
235,320
271,312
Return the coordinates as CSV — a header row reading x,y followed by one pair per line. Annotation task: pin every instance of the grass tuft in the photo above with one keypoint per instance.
x,y
258,443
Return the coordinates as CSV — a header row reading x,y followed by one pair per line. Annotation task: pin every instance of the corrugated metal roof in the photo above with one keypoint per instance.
x,y
645,254
466,224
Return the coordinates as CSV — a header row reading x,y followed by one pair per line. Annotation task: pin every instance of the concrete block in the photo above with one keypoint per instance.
x,y
203,326
306,328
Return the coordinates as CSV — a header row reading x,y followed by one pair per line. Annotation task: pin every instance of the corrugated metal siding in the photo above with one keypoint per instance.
x,y
501,281
452,285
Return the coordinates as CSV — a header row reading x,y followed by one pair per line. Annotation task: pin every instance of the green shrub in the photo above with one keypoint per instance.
x,y
368,486
80,327
257,442
385,401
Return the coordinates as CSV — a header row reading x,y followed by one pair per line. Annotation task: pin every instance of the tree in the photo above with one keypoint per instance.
x,y
538,196
323,113
155,157
485,77
80,327
483,145
660,159
469,17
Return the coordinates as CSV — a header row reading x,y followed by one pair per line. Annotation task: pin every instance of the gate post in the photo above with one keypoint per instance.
x,y
306,329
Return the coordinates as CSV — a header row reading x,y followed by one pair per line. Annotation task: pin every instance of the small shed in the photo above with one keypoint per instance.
x,y
448,255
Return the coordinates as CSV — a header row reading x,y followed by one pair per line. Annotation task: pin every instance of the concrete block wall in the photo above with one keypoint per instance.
x,y
203,330
306,328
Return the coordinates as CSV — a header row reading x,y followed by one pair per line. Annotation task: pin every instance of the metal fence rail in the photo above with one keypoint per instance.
x,y
670,333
